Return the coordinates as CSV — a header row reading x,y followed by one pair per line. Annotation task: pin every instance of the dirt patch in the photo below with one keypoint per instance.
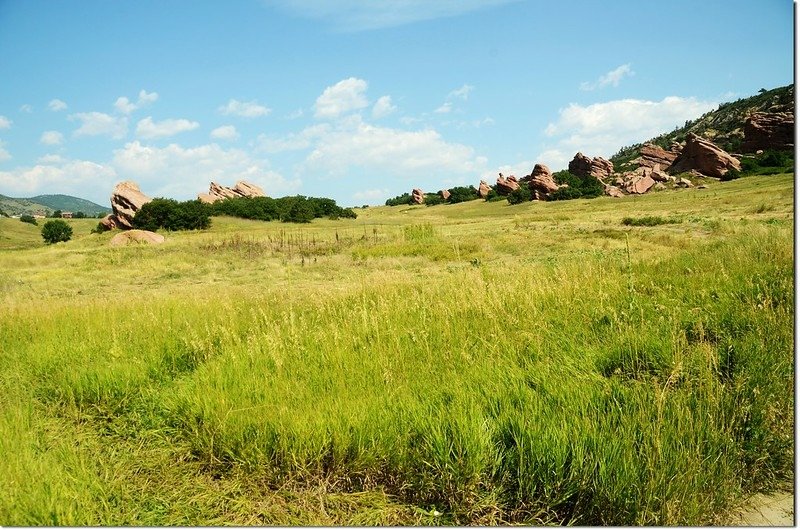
x,y
774,509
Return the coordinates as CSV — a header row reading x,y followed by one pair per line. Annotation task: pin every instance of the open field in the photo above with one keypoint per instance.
x,y
471,363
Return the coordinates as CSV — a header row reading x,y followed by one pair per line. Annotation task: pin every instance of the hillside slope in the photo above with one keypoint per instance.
x,y
724,126
68,203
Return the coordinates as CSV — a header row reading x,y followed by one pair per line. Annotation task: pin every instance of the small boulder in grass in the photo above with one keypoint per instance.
x,y
136,237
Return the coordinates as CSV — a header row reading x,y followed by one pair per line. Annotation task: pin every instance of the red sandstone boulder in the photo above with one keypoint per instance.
x,y
768,130
507,185
417,196
218,192
483,189
541,182
612,191
702,155
136,236
651,155
126,200
640,185
583,166
444,194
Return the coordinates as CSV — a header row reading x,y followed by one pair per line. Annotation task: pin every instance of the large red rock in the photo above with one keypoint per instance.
x,y
507,185
640,185
136,236
217,192
483,189
444,194
541,182
651,155
126,200
704,156
583,166
768,130
612,191
417,196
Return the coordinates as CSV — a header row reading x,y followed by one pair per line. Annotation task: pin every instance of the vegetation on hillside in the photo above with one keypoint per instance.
x,y
724,125
56,231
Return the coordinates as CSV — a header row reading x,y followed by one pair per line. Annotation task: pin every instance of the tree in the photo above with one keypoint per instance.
x,y
56,231
56,214
28,219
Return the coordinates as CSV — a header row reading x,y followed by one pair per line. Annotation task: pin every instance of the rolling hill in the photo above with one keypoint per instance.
x,y
45,204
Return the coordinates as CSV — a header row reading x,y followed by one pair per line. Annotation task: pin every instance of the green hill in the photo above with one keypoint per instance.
x,y
724,126
45,204
68,203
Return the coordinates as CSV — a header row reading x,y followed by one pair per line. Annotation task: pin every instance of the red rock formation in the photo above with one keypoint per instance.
x,y
702,155
541,182
417,196
126,200
651,155
768,130
583,166
640,185
444,194
483,189
507,185
612,191
109,222
218,192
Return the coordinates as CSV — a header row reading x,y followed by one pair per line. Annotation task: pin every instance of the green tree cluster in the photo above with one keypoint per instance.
x,y
170,214
56,231
28,219
587,187
294,209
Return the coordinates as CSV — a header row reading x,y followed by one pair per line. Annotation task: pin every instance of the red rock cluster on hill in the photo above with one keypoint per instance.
x,y
597,167
218,192
702,155
768,130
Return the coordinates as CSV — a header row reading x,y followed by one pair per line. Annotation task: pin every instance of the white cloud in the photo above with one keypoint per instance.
x,y
383,107
100,124
445,108
51,138
372,196
296,114
56,175
612,78
126,106
51,159
4,154
26,108
147,128
355,143
461,93
225,132
345,96
56,105
5,123
360,15
602,129
244,109
292,141
190,170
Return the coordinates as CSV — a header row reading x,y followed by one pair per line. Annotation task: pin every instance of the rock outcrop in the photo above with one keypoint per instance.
x,y
702,155
507,185
768,130
444,194
483,189
640,185
612,191
417,196
651,155
136,236
109,222
126,200
583,166
541,182
218,192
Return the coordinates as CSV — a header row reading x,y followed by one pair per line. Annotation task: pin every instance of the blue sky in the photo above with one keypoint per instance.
x,y
355,100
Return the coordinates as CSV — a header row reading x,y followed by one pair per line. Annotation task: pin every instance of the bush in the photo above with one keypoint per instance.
x,y
299,212
462,194
432,199
172,215
579,187
522,194
399,200
650,220
731,174
28,219
56,231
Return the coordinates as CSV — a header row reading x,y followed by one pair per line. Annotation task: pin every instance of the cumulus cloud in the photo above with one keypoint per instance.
x,y
345,96
461,93
602,128
383,107
56,105
372,196
147,128
225,132
126,106
292,141
612,78
100,124
445,108
244,109
26,108
190,169
5,123
51,138
354,143
55,174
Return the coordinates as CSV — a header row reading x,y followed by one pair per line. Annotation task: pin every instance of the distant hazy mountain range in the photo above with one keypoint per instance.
x,y
45,204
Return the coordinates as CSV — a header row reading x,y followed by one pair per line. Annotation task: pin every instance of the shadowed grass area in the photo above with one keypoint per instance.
x,y
468,364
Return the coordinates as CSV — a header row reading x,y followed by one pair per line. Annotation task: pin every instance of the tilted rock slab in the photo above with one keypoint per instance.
x,y
126,200
218,192
768,130
417,196
541,182
583,166
704,156
483,189
444,194
651,155
507,185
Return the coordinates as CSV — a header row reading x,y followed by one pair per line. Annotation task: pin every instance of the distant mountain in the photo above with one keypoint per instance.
x,y
723,126
46,204
68,203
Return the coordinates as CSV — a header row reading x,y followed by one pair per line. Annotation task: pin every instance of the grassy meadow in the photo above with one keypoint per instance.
x,y
478,363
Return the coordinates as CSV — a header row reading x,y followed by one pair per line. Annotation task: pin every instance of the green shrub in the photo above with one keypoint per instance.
x,y
56,231
170,214
299,212
519,195
650,220
462,194
731,174
399,200
28,219
579,187
432,199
